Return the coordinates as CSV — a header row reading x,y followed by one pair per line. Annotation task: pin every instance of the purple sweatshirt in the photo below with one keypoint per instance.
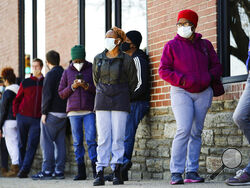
x,y
79,99
189,65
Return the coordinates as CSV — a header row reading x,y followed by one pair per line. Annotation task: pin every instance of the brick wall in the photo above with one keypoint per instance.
x,y
61,27
9,34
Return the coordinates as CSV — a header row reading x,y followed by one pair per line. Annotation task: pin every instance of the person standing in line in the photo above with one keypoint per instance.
x,y
3,148
189,63
241,118
139,102
114,75
8,124
53,122
27,110
77,87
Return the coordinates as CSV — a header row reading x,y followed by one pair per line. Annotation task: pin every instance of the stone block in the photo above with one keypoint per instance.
x,y
220,140
219,120
217,131
157,176
208,137
245,141
205,150
138,159
145,153
213,163
170,130
230,104
154,165
146,175
143,131
136,167
167,176
166,164
142,143
153,153
230,131
235,141
136,175
202,163
217,151
217,106
163,151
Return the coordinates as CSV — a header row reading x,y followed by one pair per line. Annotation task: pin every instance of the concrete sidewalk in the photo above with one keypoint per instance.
x,y
69,183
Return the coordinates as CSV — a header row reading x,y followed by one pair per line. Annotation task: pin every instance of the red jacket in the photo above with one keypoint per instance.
x,y
29,97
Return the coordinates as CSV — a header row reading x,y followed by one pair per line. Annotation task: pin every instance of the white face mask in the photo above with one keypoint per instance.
x,y
185,32
109,44
78,66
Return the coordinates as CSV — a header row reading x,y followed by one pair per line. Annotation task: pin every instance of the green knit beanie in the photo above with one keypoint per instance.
x,y
78,52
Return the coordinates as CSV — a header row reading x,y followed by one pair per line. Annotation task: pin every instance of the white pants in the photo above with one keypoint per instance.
x,y
10,133
111,134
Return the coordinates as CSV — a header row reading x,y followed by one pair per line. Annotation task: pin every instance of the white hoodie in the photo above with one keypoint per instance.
x,y
13,87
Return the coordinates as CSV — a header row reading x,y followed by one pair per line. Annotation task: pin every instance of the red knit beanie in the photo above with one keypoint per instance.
x,y
190,15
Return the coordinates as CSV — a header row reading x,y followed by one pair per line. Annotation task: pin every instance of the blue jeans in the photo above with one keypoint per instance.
x,y
138,111
241,114
90,135
190,110
53,139
28,140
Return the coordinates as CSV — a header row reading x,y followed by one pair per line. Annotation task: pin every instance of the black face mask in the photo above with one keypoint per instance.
x,y
125,46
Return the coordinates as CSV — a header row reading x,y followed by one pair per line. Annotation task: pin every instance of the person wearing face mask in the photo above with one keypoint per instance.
x,y
53,122
140,99
27,110
77,87
114,75
189,63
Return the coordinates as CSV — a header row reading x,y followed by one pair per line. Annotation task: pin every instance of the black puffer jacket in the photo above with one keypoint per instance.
x,y
6,106
115,81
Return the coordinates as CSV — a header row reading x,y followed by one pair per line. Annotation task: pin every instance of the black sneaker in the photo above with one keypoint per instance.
x,y
99,180
176,178
42,176
109,177
193,177
22,174
59,176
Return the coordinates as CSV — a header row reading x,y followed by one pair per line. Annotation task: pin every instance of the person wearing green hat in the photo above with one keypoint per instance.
x,y
77,87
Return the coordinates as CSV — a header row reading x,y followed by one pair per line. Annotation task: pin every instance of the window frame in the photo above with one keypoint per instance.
x,y
223,41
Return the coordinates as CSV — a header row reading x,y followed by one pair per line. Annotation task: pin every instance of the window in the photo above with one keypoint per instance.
x,y
95,28
134,18
233,38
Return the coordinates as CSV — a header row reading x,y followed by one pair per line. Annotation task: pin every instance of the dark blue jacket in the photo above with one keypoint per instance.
x,y
6,106
51,102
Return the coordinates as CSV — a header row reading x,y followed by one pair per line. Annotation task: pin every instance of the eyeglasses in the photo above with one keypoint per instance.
x,y
185,24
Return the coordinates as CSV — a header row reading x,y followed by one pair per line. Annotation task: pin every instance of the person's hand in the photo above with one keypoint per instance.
x,y
76,83
85,85
43,118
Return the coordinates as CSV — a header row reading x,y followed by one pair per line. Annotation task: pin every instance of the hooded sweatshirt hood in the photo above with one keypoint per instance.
x,y
13,87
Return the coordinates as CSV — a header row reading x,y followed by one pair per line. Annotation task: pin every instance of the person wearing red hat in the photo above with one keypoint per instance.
x,y
189,63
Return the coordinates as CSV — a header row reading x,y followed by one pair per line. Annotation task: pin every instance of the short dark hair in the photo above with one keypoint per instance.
x,y
53,57
9,75
39,61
